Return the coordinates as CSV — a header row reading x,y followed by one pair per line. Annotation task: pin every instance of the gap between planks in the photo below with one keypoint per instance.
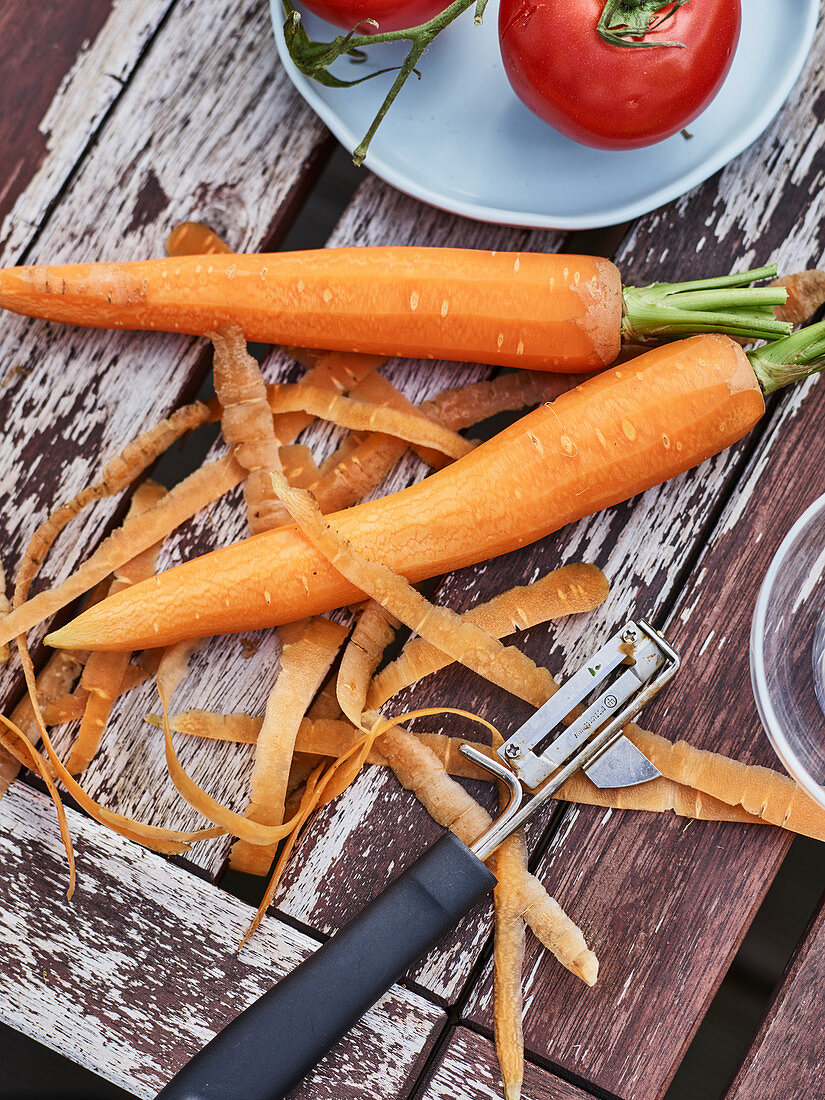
x,y
641,567
717,472
176,174
142,969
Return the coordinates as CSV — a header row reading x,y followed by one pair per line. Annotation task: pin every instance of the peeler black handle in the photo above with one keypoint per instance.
x,y
275,1042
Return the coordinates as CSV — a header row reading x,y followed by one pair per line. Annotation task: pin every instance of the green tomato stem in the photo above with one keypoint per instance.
x,y
724,304
625,22
314,58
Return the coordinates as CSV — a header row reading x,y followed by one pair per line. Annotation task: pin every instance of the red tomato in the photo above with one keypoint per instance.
x,y
391,15
609,96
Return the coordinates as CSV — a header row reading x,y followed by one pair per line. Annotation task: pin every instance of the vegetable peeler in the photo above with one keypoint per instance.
x,y
275,1042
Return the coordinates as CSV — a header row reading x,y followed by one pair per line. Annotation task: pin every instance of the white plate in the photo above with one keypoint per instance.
x,y
460,140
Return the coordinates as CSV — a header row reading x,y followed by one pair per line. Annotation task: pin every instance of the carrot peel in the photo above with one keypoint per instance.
x,y
616,435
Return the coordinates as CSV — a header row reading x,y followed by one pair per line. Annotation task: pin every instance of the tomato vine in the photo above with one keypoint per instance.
x,y
313,59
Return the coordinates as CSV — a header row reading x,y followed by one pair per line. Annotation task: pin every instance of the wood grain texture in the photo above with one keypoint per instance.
x,y
466,1068
231,149
140,970
130,771
645,872
643,546
356,844
786,1057
61,68
669,903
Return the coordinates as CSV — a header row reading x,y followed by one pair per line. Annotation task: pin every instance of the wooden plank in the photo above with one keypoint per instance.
x,y
466,1067
668,902
643,546
131,766
662,911
61,68
344,858
141,969
209,127
786,1057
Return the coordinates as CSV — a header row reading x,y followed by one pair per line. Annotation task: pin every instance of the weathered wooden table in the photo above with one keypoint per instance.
x,y
122,117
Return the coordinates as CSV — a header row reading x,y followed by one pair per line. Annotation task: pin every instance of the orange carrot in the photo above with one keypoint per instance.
x,y
194,239
546,312
617,434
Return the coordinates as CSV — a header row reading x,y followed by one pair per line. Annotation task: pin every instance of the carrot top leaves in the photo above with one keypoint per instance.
x,y
727,304
784,362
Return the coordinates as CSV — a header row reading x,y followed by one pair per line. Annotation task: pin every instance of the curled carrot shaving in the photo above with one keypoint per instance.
x,y
308,803
362,416
308,650
21,748
763,793
200,489
226,820
373,633
806,293
58,674
298,465
325,737
570,590
69,707
378,390
169,841
195,239
361,468
508,959
318,792
419,770
5,608
246,421
335,371
462,406
104,672
461,640
116,475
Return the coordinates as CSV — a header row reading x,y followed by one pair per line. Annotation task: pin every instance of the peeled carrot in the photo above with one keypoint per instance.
x,y
616,435
546,312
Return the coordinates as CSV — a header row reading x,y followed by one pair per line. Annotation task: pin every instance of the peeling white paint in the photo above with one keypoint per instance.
x,y
141,969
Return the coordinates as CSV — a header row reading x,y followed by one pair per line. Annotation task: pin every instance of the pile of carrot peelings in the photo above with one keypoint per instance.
x,y
325,717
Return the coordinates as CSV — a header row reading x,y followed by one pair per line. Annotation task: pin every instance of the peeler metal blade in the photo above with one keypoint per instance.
x,y
621,765
634,658
595,704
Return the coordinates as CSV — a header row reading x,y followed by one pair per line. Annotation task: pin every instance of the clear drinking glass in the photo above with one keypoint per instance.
x,y
787,651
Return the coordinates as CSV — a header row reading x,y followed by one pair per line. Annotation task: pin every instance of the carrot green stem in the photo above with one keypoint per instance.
x,y
725,304
787,361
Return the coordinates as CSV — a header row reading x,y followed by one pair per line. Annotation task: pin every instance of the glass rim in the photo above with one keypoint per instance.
x,y
767,714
